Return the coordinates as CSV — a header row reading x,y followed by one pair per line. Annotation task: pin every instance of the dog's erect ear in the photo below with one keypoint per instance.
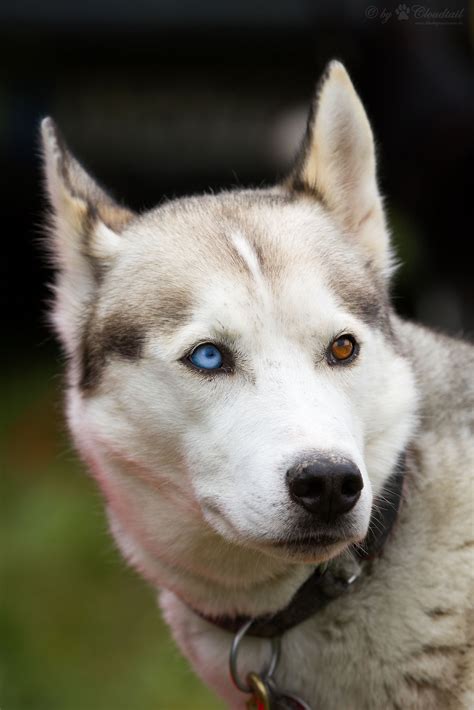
x,y
86,219
337,163
85,229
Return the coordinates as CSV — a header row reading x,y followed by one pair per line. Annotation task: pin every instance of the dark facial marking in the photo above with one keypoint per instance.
x,y
124,336
116,338
365,306
368,303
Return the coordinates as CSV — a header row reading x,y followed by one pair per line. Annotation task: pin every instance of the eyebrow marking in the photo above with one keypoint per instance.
x,y
116,338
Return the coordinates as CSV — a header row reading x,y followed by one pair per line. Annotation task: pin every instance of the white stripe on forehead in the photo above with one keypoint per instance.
x,y
247,252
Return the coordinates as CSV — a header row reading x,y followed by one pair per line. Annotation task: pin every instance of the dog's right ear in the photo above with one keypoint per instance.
x,y
337,165
86,226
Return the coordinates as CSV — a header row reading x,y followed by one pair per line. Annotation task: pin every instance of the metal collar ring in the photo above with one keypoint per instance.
x,y
234,651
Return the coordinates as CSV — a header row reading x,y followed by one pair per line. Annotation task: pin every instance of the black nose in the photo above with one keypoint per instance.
x,y
327,487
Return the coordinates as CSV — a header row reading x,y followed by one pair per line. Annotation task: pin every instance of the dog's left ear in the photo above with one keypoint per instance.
x,y
87,218
337,164
85,233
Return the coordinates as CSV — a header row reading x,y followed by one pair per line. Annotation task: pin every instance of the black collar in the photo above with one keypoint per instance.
x,y
324,585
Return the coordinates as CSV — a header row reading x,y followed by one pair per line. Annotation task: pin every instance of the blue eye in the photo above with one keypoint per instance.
x,y
206,357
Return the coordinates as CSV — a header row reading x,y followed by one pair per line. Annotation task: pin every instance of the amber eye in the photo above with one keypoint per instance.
x,y
343,348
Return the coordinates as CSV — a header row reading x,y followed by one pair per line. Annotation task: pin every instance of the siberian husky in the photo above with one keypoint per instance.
x,y
253,410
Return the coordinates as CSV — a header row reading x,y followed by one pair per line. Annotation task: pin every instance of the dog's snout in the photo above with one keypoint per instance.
x,y
325,486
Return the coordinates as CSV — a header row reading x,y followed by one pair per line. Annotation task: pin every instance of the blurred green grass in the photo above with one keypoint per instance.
x,y
78,630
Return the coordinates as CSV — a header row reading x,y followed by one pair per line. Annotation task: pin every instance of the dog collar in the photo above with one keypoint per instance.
x,y
326,582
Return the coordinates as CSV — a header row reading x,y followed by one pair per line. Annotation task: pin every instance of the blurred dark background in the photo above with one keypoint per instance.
x,y
162,99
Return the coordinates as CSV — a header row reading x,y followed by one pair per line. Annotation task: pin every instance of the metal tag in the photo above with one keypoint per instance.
x,y
260,698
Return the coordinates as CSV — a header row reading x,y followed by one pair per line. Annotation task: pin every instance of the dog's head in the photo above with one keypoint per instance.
x,y
233,354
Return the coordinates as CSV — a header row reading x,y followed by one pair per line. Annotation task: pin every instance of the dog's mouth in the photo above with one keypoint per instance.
x,y
304,543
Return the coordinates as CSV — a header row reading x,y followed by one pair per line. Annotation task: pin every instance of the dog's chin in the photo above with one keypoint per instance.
x,y
307,550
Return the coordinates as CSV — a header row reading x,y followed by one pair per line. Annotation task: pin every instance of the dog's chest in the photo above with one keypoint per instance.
x,y
362,653
352,655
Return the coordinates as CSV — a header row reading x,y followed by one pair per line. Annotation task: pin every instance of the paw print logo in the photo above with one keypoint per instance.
x,y
402,12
